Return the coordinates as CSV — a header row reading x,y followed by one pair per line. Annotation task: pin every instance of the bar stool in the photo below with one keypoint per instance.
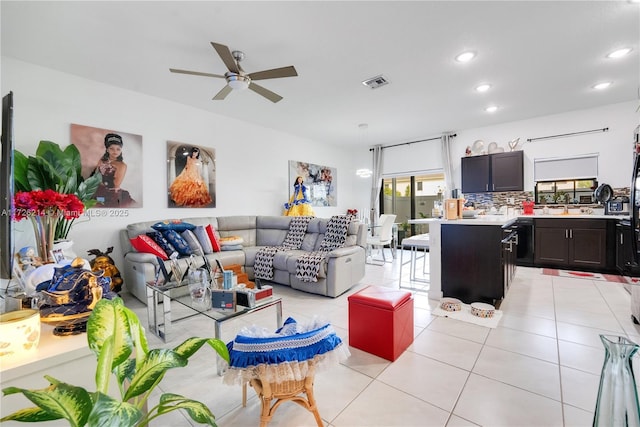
x,y
415,244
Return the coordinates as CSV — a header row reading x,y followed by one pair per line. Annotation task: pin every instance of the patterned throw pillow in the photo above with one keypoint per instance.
x,y
146,244
178,242
215,243
203,238
174,224
162,242
192,241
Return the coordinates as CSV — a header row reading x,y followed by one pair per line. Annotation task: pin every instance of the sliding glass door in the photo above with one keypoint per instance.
x,y
411,197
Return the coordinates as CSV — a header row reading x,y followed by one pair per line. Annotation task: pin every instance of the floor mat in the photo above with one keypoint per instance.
x,y
585,275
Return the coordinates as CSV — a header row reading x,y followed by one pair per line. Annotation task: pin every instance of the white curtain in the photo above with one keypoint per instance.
x,y
446,163
376,184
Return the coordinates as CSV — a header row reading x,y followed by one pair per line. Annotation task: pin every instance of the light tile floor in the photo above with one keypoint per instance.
x,y
539,367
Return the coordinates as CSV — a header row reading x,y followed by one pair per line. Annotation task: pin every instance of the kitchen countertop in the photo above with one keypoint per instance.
x,y
503,220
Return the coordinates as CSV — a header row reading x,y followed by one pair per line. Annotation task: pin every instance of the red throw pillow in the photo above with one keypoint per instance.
x,y
215,243
144,243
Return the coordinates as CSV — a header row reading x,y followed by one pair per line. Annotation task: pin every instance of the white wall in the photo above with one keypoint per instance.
x,y
252,161
614,147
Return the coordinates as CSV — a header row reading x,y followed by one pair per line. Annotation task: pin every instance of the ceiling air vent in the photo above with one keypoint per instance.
x,y
376,82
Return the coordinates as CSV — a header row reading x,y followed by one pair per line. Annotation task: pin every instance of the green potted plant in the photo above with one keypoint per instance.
x,y
115,335
59,170
403,231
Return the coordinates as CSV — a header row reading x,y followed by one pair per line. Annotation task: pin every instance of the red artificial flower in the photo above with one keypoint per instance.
x,y
46,203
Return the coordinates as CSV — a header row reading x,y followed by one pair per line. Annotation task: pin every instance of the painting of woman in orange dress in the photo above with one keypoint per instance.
x,y
189,189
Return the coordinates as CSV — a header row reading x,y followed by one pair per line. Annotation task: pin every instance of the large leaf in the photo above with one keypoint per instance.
x,y
20,168
109,319
198,411
31,415
152,369
59,400
63,161
139,338
105,362
87,188
110,412
191,345
42,175
72,155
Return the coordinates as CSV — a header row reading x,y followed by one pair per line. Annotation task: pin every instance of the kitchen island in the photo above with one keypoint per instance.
x,y
474,253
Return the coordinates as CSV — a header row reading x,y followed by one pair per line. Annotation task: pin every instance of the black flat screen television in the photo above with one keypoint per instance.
x,y
6,184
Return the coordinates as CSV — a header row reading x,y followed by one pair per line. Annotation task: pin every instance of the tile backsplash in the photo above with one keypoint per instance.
x,y
488,200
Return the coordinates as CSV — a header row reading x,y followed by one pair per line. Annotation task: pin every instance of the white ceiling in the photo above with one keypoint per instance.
x,y
542,57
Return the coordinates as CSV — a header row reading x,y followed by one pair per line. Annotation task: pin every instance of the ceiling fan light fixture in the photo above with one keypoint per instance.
x,y
238,82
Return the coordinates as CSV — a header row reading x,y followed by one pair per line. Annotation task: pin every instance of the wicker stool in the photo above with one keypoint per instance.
x,y
300,392
281,367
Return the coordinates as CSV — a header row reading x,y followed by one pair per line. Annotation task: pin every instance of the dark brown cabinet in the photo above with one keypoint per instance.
x,y
624,253
576,243
478,262
493,172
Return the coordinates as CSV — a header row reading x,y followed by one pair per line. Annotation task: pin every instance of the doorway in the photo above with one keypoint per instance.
x,y
410,197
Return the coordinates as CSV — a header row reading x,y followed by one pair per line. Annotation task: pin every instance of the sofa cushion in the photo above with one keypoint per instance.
x,y
162,242
178,242
231,247
193,242
203,239
215,242
231,241
173,224
144,243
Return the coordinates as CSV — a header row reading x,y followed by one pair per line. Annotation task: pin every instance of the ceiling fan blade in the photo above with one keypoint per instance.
x,y
195,73
227,58
223,93
271,96
275,73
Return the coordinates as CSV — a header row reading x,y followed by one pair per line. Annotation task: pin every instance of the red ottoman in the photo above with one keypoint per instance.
x,y
381,321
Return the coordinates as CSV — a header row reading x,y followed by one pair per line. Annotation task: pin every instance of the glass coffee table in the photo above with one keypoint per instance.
x,y
161,299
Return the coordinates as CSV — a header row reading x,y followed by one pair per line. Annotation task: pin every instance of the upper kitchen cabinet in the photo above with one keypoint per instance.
x,y
493,172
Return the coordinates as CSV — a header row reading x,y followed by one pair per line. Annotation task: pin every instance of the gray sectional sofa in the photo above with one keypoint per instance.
x,y
343,267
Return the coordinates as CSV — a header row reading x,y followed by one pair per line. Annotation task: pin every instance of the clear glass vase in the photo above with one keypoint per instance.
x,y
617,403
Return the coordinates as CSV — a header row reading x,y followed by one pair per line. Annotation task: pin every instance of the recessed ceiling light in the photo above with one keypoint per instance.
x,y
619,53
602,85
483,87
491,109
465,56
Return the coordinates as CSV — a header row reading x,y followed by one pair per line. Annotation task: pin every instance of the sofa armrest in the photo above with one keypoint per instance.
x,y
141,257
340,252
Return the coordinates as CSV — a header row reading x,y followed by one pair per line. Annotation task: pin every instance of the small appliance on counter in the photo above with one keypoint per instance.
x,y
618,206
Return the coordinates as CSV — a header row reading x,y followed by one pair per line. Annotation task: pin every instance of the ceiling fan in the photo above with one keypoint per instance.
x,y
238,79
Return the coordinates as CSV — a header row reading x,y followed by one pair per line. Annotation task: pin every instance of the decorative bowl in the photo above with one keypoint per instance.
x,y
450,304
481,309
